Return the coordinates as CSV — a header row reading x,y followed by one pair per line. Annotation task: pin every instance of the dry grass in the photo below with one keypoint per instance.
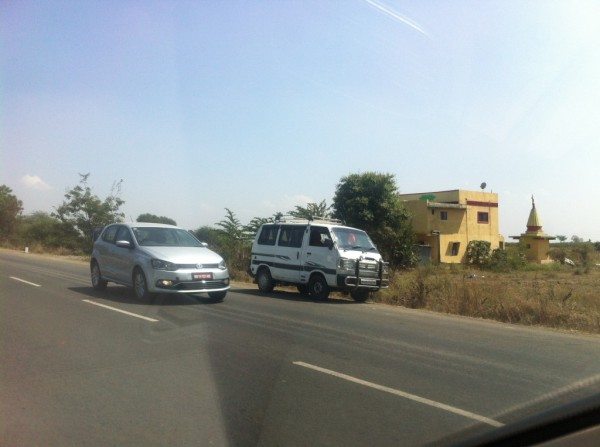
x,y
554,296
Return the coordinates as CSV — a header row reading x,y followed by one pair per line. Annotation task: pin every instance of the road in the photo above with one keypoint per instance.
x,y
87,368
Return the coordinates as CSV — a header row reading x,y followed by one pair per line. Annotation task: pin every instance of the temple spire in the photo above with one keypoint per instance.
x,y
534,224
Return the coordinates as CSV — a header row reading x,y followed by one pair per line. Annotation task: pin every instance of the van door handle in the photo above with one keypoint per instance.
x,y
308,253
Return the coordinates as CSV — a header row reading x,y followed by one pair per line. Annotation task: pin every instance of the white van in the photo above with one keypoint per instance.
x,y
317,256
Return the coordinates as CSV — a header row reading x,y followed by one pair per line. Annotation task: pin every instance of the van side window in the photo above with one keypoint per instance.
x,y
110,233
291,236
268,235
318,236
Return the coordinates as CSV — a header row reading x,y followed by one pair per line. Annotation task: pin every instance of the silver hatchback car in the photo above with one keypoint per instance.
x,y
156,258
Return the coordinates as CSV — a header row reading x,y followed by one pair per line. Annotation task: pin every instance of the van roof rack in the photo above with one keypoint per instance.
x,y
315,219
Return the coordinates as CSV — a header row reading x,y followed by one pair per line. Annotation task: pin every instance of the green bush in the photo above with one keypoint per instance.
x,y
499,261
478,252
558,254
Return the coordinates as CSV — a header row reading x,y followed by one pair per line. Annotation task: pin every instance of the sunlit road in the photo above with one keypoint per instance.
x,y
79,367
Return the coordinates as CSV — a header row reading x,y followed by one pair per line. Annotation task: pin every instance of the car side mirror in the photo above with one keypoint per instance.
x,y
124,244
328,243
204,244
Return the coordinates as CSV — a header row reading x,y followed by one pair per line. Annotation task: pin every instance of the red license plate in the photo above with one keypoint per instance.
x,y
202,275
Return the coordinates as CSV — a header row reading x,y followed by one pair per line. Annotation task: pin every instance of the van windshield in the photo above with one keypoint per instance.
x,y
352,239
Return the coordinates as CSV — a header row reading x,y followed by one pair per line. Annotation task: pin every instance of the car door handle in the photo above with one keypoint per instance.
x,y
308,253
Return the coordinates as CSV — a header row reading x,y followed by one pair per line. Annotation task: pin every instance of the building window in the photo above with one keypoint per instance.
x,y
528,246
443,215
455,248
432,212
483,217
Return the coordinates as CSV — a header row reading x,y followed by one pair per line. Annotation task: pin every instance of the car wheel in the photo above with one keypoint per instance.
x,y
360,295
302,288
140,286
265,281
217,296
318,288
97,282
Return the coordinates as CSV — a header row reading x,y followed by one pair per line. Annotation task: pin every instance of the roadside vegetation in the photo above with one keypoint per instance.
x,y
506,288
495,284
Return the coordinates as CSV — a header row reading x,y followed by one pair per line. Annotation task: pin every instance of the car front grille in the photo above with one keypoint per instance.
x,y
201,285
195,266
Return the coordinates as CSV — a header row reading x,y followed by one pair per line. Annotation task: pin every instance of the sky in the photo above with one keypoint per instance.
x,y
262,106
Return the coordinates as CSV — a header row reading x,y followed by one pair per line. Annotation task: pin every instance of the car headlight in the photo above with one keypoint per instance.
x,y
222,265
347,264
159,264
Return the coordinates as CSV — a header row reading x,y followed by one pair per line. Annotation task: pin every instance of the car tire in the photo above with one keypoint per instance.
x,y
96,276
360,295
140,285
318,288
303,289
217,296
265,280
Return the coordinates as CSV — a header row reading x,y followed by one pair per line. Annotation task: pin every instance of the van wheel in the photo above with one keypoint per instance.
x,y
265,281
360,295
318,288
302,288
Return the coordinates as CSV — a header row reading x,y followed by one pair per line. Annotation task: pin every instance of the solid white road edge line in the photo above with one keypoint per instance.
x,y
26,282
121,311
396,392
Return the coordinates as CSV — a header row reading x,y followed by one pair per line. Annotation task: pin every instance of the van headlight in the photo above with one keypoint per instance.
x,y
385,268
222,265
347,264
159,264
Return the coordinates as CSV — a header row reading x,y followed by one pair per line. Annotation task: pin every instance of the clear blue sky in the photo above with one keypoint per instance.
x,y
260,106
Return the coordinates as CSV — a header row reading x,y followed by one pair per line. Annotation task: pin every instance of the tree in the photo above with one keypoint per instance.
x,y
231,226
576,239
252,227
255,223
153,218
234,241
10,209
84,211
210,235
311,211
370,202
48,231
561,237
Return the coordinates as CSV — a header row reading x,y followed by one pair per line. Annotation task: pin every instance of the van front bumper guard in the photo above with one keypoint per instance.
x,y
371,279
370,283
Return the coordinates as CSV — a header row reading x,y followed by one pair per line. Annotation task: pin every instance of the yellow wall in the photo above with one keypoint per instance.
x,y
461,226
536,249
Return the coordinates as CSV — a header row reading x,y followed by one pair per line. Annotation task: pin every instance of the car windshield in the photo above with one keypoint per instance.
x,y
164,237
353,239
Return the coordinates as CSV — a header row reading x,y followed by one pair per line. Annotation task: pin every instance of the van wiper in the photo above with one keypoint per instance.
x,y
360,247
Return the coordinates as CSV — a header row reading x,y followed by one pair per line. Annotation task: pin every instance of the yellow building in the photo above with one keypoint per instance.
x,y
446,221
537,243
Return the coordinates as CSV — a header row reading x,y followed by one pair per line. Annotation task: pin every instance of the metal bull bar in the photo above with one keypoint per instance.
x,y
379,275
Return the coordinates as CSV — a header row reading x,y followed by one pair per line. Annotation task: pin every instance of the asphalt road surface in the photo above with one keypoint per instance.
x,y
86,368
